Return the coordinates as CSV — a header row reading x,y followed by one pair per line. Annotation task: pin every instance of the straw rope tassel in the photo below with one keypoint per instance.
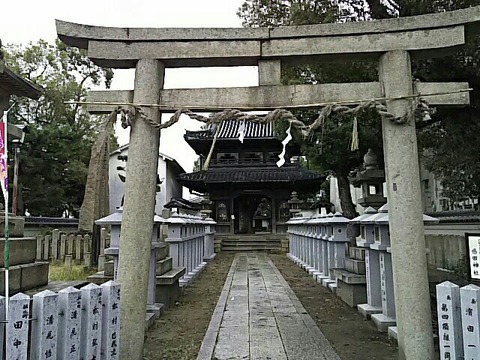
x,y
355,142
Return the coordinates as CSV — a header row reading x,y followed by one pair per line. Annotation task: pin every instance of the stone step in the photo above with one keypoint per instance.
x,y
164,265
348,277
355,266
170,277
252,243
251,248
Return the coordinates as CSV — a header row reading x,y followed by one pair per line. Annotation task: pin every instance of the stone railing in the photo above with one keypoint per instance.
x,y
191,243
65,247
318,244
59,325
181,247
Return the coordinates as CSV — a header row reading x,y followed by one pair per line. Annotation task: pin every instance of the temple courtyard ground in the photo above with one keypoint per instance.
x,y
281,320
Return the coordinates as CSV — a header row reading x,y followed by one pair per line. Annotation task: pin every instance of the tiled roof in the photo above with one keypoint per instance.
x,y
250,175
14,84
229,130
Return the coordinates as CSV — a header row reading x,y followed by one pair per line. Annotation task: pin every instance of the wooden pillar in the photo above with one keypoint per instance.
x,y
412,296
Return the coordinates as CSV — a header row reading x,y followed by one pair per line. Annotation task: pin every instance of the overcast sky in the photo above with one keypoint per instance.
x,y
25,21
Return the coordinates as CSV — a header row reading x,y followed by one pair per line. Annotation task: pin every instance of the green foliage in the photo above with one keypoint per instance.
x,y
56,152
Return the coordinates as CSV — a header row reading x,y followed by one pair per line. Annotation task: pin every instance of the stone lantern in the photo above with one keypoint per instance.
x,y
295,204
115,222
366,230
370,179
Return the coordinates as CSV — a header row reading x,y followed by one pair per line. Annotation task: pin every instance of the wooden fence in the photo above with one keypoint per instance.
x,y
70,324
68,247
458,312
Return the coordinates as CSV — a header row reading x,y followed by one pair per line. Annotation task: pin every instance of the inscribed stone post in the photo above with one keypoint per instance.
x,y
415,335
470,300
449,321
17,327
91,334
44,329
138,211
69,324
111,320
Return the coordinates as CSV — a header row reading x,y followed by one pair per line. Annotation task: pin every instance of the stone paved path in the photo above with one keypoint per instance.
x,y
259,317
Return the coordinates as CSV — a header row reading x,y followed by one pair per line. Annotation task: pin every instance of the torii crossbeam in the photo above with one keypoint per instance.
x,y
390,42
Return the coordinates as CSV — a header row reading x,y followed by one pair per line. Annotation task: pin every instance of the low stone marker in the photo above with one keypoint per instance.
x,y
458,321
73,324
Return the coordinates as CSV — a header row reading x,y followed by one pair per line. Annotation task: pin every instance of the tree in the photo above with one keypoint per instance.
x,y
56,152
462,66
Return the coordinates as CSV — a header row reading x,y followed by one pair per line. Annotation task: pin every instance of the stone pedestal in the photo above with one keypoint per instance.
x,y
374,291
387,317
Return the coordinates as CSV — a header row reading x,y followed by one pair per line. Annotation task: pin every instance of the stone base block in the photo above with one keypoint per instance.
x,y
168,287
355,266
22,250
164,265
383,322
368,310
25,277
322,277
315,274
333,287
210,258
109,268
359,253
393,333
310,270
352,294
16,225
327,281
99,278
168,294
162,251
153,313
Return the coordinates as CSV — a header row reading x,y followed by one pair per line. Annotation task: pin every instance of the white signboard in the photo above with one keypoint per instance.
x,y
473,242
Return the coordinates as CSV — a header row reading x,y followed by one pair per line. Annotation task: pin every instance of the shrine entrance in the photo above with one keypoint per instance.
x,y
253,214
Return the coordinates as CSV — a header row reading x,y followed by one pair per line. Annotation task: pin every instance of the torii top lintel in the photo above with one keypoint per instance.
x,y
424,36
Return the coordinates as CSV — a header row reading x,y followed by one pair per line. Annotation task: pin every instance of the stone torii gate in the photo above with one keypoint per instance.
x,y
390,42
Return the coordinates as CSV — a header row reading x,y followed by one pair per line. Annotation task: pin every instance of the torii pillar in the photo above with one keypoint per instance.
x,y
138,209
412,295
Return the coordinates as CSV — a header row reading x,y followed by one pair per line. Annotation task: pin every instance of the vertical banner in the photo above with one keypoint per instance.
x,y
3,158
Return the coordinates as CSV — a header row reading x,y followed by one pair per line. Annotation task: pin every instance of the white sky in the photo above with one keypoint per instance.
x,y
25,21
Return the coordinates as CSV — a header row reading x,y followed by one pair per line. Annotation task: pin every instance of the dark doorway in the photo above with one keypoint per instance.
x,y
253,214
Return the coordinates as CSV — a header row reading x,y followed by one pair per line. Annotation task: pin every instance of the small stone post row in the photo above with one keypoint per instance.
x,y
318,245
188,238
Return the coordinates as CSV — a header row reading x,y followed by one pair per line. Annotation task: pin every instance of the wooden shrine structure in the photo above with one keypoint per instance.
x,y
250,193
